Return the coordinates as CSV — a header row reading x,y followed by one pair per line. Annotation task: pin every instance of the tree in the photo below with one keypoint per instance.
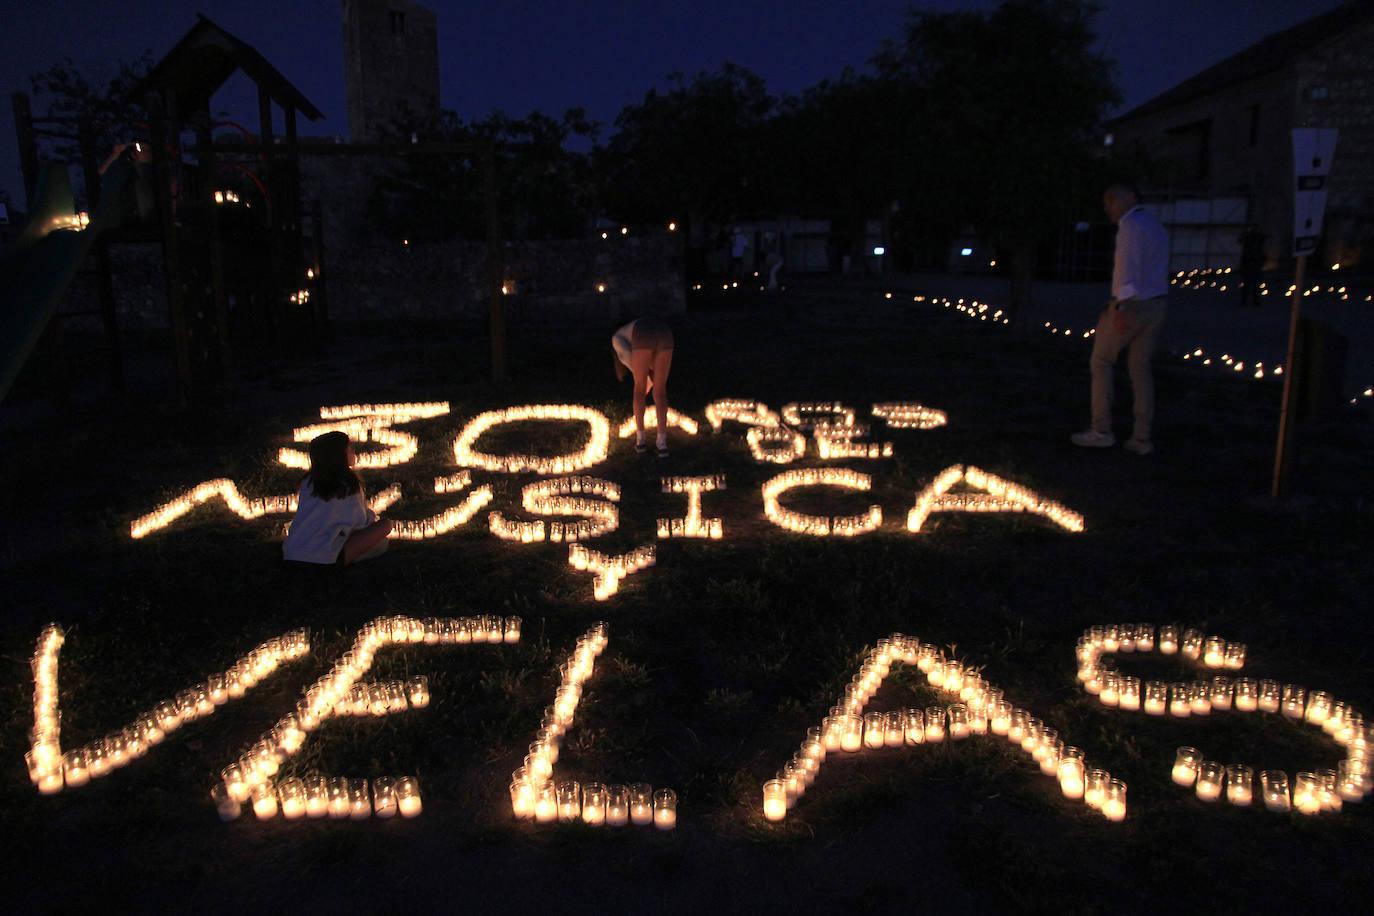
x,y
1013,103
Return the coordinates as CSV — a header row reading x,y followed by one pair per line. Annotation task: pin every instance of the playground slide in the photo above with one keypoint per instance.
x,y
37,267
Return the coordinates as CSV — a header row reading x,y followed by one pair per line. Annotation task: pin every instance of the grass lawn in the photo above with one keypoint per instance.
x,y
719,659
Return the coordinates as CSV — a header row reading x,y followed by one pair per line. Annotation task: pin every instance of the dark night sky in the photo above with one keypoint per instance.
x,y
549,55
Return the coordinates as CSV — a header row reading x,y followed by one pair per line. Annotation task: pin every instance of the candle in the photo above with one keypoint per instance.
x,y
545,804
1318,707
338,798
1050,751
875,728
234,782
1294,702
1156,698
1274,785
1071,772
958,721
1221,693
894,729
832,728
1247,695
774,800
1000,721
1200,698
1210,776
1144,637
384,796
1114,801
665,809
417,691
408,796
1095,788
264,801
292,794
316,797
1349,781
1330,796
226,805
594,804
1307,794
935,724
1269,696
1168,639
617,806
641,804
915,726
359,800
1180,700
1108,694
1240,785
1129,688
1192,643
1186,760
1235,655
1214,652
852,737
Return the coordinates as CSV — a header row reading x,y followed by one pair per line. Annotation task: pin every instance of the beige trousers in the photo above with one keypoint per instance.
x,y
1135,329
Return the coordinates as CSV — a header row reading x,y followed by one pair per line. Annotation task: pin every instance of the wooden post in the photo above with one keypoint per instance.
x,y
271,175
28,148
1288,414
495,268
159,111
101,253
207,157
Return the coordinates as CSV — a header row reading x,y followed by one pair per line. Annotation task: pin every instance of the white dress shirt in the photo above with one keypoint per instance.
x,y
1141,269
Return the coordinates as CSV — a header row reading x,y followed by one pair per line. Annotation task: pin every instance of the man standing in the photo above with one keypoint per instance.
x,y
1132,320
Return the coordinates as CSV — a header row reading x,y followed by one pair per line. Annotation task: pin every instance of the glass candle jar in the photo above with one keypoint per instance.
x,y
316,796
384,796
875,726
1030,739
1186,761
1331,799
665,809
1200,698
915,725
1210,777
1109,694
521,796
359,799
1294,701
1307,797
417,691
594,804
1235,655
1095,788
264,797
1318,707
641,804
1114,801
1349,781
1129,688
1214,652
774,800
291,794
617,806
1269,696
1144,637
1220,692
1191,644
1111,639
894,729
1071,772
1240,785
832,729
1274,786
1016,732
235,782
1168,639
408,796
226,806
1050,749
935,724
999,721
545,803
1180,699
569,801
851,738
338,798
1246,695
957,715
1156,698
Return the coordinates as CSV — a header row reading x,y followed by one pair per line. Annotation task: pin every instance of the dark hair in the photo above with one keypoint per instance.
x,y
1122,188
330,476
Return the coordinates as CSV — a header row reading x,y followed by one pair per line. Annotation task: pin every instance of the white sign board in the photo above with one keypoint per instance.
x,y
1313,150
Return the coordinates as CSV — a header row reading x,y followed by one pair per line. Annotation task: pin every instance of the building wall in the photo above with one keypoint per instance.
x,y
1335,88
391,63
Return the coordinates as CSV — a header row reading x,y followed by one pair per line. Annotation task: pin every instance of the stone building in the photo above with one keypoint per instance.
x,y
391,63
1223,141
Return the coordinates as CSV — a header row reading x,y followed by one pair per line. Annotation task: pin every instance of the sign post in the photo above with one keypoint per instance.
x,y
1313,149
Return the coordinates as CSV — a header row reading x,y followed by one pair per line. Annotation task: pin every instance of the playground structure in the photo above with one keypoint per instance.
x,y
243,255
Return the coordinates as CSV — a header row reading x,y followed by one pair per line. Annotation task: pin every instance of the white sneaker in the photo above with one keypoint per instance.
x,y
1138,446
1091,438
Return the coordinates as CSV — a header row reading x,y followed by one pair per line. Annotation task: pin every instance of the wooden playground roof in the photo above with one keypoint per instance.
x,y
204,59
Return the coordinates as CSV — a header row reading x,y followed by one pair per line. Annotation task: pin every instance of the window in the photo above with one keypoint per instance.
x,y
398,22
1254,124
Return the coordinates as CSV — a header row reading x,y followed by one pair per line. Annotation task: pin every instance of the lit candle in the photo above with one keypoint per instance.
x,y
1095,788
1247,695
292,793
665,809
851,739
1156,698
958,721
226,805
235,783
1114,801
1269,696
1221,693
384,796
545,803
1129,688
408,796
617,806
1307,794
1200,698
359,801
1180,700
1214,652
1168,639
417,691
935,724
1186,761
1071,772
338,798
641,804
1240,785
774,800
264,801
875,727
1210,776
316,797
1274,785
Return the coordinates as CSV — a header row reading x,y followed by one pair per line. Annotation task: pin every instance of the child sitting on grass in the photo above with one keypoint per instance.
x,y
333,523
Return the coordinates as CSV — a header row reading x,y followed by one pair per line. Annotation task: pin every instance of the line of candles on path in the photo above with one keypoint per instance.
x,y
334,797
819,525
806,414
50,768
692,525
536,794
252,775
1002,496
583,496
609,570
594,451
980,710
750,413
221,487
679,420
1311,792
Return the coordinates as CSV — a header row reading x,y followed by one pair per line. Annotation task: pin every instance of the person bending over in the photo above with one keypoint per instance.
x,y
333,523
644,347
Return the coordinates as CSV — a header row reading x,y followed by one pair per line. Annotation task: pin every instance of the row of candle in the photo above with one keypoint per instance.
x,y
693,525
678,420
806,414
819,525
981,709
583,496
536,795
450,519
775,444
832,448
50,769
385,697
400,447
608,569
1003,496
453,483
204,491
260,763
320,796
909,415
750,413
594,451
397,413
1320,790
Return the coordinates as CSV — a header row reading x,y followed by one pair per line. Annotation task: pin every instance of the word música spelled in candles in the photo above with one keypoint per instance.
x,y
254,770
593,452
820,525
679,420
750,413
51,769
775,444
536,795
1002,496
979,709
609,570
222,487
693,525
1311,792
562,496
910,415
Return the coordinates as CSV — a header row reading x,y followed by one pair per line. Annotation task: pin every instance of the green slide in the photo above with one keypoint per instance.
x,y
37,267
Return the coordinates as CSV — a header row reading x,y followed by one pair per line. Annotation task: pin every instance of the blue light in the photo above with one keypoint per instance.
x,y
879,251
966,251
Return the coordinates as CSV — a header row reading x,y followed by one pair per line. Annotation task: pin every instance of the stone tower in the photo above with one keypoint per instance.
x,y
391,63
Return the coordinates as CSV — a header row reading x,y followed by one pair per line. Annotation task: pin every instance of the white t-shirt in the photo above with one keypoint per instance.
x,y
321,526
